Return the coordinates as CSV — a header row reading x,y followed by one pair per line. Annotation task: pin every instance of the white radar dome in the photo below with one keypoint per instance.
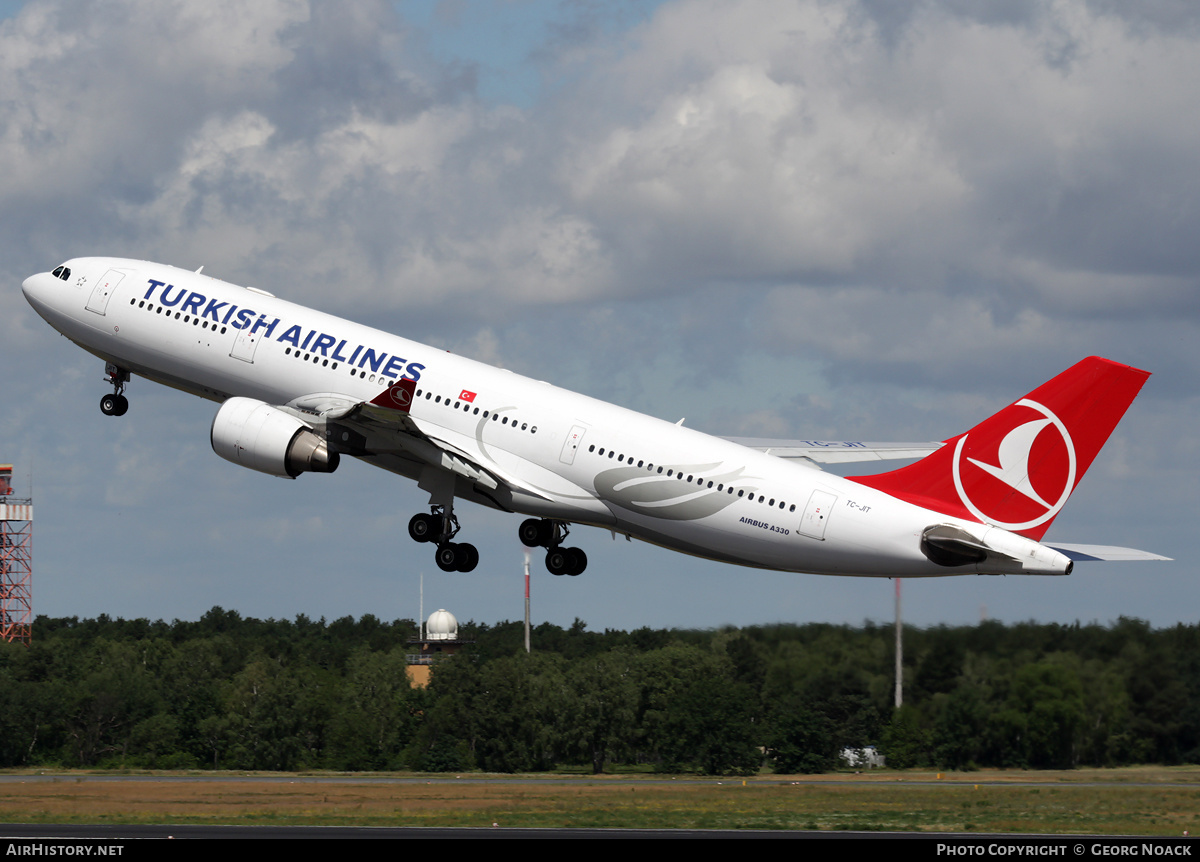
x,y
441,626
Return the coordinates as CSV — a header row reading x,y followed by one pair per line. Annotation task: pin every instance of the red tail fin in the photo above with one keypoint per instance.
x,y
1016,469
398,396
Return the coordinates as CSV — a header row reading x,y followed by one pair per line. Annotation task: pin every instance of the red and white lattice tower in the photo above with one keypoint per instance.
x,y
16,562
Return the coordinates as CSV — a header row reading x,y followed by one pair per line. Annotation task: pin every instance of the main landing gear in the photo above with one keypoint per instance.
x,y
549,534
115,404
441,527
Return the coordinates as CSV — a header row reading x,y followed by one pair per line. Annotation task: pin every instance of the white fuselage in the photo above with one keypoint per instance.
x,y
563,455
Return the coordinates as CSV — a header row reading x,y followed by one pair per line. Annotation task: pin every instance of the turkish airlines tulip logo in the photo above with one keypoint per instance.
x,y
1036,459
401,395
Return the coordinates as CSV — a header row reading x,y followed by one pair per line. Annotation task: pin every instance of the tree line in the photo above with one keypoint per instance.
x,y
227,692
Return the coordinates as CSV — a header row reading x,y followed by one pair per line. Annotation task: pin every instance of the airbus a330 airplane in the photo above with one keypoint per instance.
x,y
299,388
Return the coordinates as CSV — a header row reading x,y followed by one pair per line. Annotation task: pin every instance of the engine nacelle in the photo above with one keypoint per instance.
x,y
256,435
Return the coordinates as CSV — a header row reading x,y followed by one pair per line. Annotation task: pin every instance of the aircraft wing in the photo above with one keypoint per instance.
x,y
836,451
387,428
1102,552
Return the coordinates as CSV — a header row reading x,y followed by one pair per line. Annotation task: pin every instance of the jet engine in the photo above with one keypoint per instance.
x,y
256,435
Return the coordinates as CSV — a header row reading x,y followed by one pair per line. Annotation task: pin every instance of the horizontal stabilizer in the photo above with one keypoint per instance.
x,y
991,551
1089,553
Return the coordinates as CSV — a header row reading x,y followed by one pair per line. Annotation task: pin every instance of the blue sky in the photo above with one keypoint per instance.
x,y
503,41
809,219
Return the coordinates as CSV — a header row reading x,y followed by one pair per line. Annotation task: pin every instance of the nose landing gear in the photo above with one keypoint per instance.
x,y
116,404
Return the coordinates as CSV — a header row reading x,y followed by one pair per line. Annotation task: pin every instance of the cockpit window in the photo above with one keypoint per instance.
x,y
62,272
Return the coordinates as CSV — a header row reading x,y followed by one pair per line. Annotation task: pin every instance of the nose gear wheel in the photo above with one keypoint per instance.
x,y
116,404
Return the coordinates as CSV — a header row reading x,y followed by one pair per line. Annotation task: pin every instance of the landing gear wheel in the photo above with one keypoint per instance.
x,y
578,561
558,561
447,557
114,405
468,557
451,557
535,533
423,528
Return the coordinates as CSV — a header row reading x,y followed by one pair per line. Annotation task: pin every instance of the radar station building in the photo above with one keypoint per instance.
x,y
440,641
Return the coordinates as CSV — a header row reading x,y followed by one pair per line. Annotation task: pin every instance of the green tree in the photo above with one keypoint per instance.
x,y
377,713
801,741
601,707
710,725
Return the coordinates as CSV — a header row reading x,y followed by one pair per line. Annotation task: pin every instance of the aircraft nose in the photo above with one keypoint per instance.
x,y
28,286
35,289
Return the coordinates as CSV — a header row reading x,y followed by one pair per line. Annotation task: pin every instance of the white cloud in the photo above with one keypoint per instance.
x,y
814,143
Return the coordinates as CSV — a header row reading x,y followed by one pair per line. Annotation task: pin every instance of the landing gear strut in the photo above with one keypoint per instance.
x,y
548,533
440,527
115,404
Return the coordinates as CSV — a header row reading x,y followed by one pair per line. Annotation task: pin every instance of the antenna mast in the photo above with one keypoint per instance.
x,y
16,562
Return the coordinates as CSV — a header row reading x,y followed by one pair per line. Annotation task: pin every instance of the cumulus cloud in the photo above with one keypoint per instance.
x,y
854,179
825,147
1045,154
283,137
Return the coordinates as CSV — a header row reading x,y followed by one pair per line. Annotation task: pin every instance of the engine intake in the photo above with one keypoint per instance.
x,y
254,434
